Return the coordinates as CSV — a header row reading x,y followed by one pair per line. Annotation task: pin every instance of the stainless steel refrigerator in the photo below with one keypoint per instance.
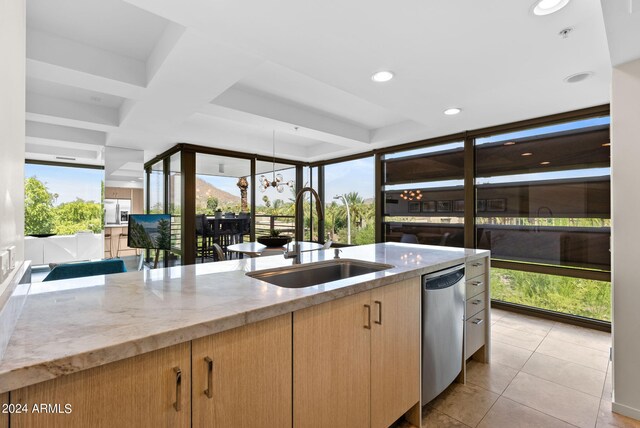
x,y
116,211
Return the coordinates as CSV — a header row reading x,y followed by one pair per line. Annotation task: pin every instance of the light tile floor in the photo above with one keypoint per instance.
x,y
542,374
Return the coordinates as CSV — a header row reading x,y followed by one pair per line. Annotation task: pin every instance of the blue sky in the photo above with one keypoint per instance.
x,y
68,183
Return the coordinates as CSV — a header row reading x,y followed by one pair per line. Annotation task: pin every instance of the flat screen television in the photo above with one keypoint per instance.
x,y
149,231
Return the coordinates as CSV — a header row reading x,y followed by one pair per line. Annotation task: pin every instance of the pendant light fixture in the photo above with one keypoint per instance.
x,y
410,195
277,180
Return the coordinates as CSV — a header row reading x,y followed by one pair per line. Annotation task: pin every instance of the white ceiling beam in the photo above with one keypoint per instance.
x,y
42,108
36,146
622,24
398,133
72,55
167,42
64,133
194,72
262,111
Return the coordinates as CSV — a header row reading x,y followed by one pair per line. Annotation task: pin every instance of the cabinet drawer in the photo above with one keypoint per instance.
x,y
475,304
475,333
474,287
476,268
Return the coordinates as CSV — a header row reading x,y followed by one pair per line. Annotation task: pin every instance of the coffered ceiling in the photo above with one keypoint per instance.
x,y
147,74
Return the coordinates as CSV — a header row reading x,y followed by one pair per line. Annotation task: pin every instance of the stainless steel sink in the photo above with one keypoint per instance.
x,y
306,275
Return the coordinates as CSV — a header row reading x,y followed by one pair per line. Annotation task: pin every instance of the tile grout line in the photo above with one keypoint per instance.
x,y
604,385
538,410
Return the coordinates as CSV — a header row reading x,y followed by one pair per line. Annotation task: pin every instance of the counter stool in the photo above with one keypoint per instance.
x,y
107,239
124,235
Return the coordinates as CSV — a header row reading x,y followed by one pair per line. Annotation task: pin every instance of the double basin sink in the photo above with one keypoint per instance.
x,y
308,274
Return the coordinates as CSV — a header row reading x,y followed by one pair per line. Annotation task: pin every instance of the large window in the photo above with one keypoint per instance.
x,y
349,201
275,208
424,195
63,200
543,199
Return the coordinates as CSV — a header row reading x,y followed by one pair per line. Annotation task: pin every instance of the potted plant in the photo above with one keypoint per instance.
x,y
274,239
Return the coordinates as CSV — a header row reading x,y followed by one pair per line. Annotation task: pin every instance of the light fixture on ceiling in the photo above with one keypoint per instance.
x,y
509,143
277,181
606,145
382,76
545,163
65,158
453,110
578,77
410,195
547,7
527,154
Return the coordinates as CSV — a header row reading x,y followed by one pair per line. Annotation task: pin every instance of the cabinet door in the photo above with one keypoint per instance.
x,y
110,193
123,193
242,377
141,391
331,367
4,417
395,351
137,201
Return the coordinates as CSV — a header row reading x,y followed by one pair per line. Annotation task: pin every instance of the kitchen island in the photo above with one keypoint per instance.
x,y
82,341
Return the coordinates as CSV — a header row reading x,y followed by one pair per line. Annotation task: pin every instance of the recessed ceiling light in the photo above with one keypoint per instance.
x,y
578,77
545,163
452,111
606,144
509,143
382,76
526,154
547,7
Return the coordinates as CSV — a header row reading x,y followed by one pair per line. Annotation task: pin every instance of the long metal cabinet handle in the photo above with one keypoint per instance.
x,y
379,303
476,302
368,324
178,404
478,321
209,391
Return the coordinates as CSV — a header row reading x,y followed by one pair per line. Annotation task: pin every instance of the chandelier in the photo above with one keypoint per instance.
x,y
410,195
277,180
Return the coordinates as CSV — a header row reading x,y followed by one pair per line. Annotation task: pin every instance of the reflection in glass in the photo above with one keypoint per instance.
x,y
437,217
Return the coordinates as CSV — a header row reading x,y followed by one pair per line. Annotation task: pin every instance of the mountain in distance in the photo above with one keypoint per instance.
x,y
206,190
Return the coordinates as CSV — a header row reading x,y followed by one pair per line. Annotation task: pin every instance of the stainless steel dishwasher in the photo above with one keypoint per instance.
x,y
443,306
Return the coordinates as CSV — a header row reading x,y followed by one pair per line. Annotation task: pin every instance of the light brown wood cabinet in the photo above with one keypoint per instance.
x,y
118,193
149,390
478,323
4,417
242,377
357,359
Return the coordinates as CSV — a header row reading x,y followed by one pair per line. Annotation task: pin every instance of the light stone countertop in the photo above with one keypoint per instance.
x,y
72,325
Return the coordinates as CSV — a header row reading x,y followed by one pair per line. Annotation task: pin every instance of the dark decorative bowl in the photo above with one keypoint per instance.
x,y
274,241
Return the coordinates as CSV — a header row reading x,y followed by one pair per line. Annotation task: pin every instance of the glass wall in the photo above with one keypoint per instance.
x,y
350,201
156,189
310,176
275,208
543,197
424,195
175,209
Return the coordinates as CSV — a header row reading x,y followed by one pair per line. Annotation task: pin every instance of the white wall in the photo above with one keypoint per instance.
x,y
625,178
12,120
